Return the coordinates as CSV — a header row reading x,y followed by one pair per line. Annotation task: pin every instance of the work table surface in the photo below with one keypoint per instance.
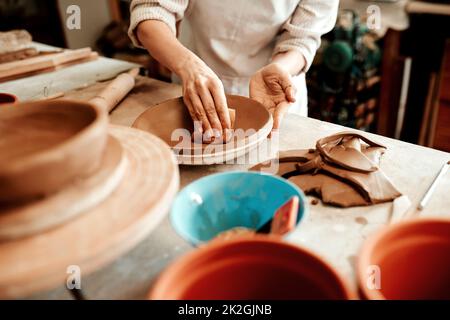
x,y
334,233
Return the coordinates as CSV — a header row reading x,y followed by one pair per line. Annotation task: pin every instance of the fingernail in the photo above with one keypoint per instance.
x,y
228,135
208,135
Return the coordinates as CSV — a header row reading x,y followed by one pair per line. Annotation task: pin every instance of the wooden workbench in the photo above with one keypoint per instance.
x,y
336,234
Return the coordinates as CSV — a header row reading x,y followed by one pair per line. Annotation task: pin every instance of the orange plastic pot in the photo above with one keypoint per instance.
x,y
259,268
409,260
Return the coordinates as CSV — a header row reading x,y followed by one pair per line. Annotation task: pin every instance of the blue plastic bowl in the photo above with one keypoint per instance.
x,y
221,202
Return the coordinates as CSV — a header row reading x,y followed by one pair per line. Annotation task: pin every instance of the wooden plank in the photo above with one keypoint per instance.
x,y
391,78
18,55
442,129
24,67
425,126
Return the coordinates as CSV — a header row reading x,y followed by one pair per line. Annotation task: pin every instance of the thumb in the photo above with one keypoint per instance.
x,y
279,113
288,87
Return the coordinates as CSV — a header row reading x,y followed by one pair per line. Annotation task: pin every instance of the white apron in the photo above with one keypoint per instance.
x,y
237,40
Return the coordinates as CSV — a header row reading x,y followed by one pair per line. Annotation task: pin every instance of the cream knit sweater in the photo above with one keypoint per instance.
x,y
306,20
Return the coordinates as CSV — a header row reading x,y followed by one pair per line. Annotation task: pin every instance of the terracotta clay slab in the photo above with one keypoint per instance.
x,y
36,216
164,119
47,144
101,235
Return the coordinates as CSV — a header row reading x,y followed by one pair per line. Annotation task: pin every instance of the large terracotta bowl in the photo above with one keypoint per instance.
x,y
409,260
253,268
46,145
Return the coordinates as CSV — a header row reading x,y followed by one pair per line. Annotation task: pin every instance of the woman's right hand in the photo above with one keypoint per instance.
x,y
204,96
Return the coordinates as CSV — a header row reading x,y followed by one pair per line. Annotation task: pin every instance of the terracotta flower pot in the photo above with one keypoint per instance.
x,y
6,98
411,260
258,267
48,144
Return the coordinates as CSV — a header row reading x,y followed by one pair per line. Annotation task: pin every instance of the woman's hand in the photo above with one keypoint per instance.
x,y
272,86
204,96
203,92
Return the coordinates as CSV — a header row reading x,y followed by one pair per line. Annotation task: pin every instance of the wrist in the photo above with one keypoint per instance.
x,y
291,61
184,64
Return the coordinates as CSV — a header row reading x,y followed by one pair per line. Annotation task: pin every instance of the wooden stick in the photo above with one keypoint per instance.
x,y
116,91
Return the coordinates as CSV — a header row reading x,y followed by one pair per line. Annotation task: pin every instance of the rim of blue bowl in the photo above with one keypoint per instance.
x,y
196,242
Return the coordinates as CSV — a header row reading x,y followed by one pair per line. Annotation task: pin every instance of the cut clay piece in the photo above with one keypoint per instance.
x,y
284,168
375,186
343,171
47,144
330,190
345,149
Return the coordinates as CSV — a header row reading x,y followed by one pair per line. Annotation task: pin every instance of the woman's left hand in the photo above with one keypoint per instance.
x,y
273,87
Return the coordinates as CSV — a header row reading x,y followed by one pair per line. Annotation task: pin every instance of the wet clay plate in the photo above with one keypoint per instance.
x,y
171,122
103,233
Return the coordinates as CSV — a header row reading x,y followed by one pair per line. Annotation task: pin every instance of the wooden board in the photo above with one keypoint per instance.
x,y
46,62
37,216
96,238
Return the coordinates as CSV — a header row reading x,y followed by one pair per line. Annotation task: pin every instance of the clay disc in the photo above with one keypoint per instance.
x,y
82,195
170,119
99,236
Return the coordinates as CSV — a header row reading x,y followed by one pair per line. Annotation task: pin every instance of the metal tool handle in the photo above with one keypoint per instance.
x,y
433,186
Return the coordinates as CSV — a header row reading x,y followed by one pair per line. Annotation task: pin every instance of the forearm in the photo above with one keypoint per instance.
x,y
162,44
291,61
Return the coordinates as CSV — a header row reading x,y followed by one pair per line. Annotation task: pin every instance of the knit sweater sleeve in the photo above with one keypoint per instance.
x,y
304,29
167,11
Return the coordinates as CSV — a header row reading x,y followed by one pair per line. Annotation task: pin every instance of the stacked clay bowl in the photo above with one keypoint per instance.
x,y
47,145
74,190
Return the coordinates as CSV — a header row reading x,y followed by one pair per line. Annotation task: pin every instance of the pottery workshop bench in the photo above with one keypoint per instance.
x,y
334,233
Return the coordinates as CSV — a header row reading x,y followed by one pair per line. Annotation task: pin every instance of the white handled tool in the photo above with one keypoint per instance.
x,y
433,186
